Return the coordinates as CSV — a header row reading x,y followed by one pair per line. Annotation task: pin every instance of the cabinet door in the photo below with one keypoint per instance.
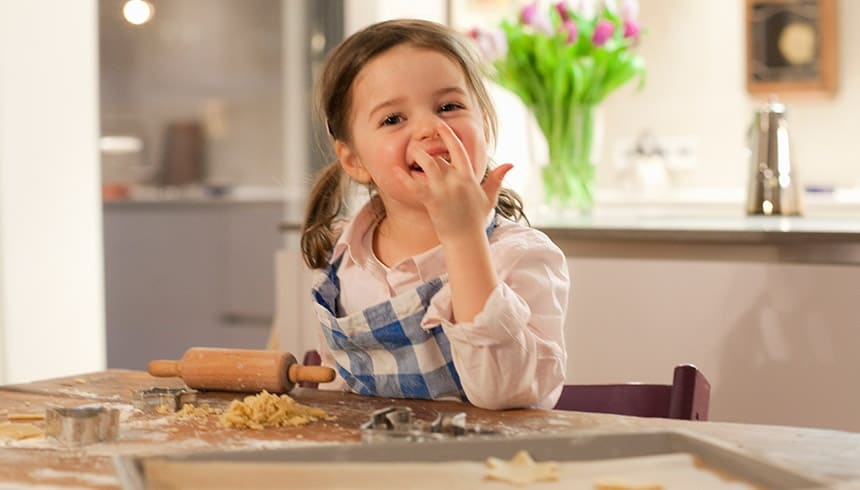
x,y
182,275
295,321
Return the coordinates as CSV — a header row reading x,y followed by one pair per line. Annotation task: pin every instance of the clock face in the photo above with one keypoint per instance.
x,y
797,43
785,41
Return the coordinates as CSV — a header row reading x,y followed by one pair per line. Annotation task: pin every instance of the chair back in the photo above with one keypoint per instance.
x,y
312,358
688,397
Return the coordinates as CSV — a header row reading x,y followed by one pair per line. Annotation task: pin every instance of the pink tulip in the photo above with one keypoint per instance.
x,y
493,44
629,9
536,19
602,32
572,31
528,13
561,7
632,29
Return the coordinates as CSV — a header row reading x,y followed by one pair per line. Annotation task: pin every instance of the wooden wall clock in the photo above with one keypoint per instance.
x,y
791,47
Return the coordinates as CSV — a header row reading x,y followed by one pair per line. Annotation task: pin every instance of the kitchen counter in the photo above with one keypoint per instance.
x,y
688,228
668,233
41,463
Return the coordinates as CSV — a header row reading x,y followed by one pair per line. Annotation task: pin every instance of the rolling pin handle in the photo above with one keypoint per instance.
x,y
164,369
312,374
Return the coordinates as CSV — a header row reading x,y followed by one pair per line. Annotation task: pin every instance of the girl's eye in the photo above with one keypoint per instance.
x,y
450,107
392,120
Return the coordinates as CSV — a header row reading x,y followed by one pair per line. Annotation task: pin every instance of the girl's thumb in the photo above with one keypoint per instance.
x,y
493,183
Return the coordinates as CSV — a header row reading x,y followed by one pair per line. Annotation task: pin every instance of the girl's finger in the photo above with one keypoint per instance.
x,y
406,179
432,166
456,150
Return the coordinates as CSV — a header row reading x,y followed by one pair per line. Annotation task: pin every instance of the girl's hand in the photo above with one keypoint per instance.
x,y
456,200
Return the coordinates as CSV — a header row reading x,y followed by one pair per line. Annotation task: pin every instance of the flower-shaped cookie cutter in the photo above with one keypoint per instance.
x,y
393,423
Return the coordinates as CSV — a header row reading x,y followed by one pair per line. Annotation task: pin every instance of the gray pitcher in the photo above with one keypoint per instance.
x,y
774,188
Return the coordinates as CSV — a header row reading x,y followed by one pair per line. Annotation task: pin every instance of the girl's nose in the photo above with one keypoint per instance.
x,y
427,127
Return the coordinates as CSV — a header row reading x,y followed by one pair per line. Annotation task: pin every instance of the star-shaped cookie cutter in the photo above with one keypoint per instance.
x,y
78,426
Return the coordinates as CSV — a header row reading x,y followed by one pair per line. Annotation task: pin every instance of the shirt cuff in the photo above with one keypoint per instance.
x,y
502,320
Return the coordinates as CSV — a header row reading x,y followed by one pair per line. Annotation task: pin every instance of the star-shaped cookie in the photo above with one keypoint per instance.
x,y
521,470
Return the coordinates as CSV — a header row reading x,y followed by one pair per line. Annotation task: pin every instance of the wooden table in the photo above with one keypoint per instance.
x,y
44,462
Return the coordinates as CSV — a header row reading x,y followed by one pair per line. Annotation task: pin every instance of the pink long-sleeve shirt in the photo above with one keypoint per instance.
x,y
512,354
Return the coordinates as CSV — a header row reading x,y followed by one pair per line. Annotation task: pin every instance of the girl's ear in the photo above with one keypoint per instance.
x,y
351,163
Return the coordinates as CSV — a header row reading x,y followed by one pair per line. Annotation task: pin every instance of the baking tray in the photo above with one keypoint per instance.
x,y
583,446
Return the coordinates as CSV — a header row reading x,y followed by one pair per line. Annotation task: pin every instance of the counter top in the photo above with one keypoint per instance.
x,y
675,226
42,463
673,235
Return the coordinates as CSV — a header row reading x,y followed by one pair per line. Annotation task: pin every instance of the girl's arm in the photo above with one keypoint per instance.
x,y
512,353
458,204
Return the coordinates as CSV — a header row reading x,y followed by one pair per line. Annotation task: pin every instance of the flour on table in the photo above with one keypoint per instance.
x,y
625,485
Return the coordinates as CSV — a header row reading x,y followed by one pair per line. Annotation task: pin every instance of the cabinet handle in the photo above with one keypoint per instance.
x,y
233,319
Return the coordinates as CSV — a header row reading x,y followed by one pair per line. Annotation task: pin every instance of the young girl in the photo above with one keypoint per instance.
x,y
432,290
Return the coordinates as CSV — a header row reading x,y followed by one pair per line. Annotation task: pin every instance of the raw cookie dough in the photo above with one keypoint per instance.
x,y
268,410
521,470
8,430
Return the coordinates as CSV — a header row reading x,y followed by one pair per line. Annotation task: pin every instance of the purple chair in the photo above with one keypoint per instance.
x,y
686,398
312,358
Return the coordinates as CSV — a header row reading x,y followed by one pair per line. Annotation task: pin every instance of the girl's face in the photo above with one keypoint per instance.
x,y
398,98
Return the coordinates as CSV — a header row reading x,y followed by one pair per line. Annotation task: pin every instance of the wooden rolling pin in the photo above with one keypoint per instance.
x,y
244,370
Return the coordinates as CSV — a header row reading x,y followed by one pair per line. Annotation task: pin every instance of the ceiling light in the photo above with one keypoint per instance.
x,y
138,12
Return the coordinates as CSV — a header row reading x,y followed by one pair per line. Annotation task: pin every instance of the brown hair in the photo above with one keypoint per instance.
x,y
334,104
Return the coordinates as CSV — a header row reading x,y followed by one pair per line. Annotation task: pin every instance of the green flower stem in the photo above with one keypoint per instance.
x,y
568,177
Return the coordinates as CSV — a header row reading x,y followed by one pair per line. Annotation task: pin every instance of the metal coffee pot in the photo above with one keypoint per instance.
x,y
774,188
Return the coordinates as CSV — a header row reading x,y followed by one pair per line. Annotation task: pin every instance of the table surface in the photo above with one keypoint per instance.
x,y
40,462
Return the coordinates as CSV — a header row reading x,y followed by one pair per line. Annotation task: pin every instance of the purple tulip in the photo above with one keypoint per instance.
x,y
632,29
572,31
561,7
602,32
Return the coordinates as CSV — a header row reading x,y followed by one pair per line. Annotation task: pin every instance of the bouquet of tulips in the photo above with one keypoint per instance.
x,y
562,61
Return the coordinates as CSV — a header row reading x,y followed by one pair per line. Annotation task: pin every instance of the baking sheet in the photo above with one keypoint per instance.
x,y
461,462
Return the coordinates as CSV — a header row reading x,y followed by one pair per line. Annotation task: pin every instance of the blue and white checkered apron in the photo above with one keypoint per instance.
x,y
382,350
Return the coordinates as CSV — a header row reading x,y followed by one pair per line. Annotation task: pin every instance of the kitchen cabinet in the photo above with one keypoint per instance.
x,y
765,307
182,274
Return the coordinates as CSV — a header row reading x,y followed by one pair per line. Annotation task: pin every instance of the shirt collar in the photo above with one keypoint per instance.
x,y
353,240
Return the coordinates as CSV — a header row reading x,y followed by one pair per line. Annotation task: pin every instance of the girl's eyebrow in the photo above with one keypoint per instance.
x,y
398,100
383,105
447,90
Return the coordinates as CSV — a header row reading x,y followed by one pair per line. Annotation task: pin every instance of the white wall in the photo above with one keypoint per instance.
x,y
695,87
51,281
361,13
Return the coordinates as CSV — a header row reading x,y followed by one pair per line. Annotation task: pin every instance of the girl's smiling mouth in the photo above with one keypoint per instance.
x,y
415,167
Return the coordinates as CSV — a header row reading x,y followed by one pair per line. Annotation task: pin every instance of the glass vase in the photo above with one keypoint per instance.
x,y
568,176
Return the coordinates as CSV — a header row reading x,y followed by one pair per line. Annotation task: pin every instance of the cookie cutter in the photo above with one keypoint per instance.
x,y
79,426
400,424
164,400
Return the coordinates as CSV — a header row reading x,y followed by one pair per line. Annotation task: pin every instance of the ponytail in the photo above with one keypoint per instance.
x,y
324,207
